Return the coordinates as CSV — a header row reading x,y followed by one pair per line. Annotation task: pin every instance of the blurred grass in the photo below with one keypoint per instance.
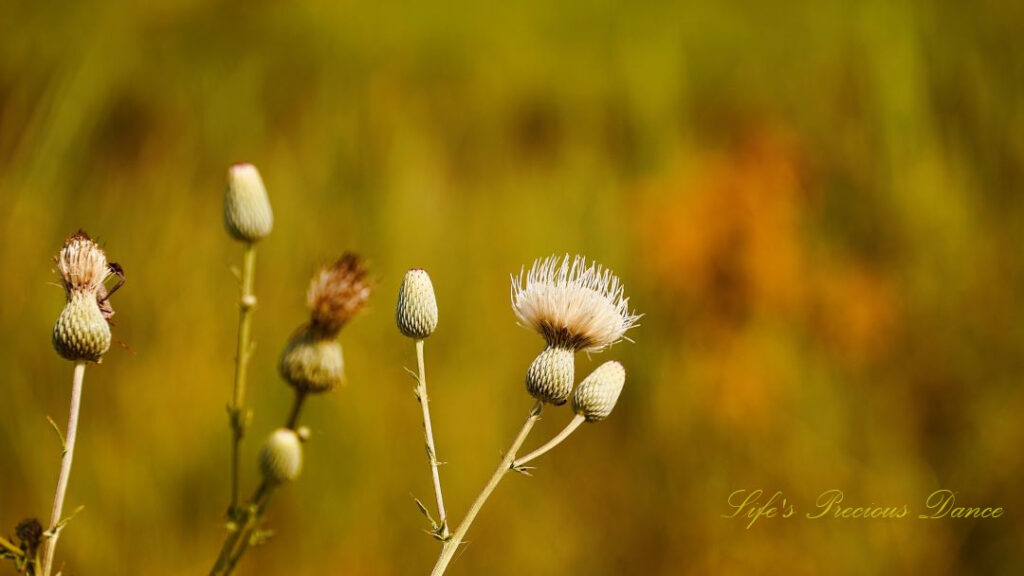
x,y
817,207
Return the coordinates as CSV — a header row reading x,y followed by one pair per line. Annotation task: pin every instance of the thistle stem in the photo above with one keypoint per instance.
x,y
421,395
238,541
237,412
65,466
452,545
569,429
293,416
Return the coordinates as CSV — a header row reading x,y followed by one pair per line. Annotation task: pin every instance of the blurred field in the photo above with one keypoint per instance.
x,y
818,209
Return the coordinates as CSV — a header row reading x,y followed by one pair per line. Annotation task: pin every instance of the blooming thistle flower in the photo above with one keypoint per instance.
x,y
247,213
416,313
575,307
82,331
313,361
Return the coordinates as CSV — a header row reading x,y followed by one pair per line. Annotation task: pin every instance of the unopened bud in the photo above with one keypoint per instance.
x,y
247,213
281,457
417,307
596,396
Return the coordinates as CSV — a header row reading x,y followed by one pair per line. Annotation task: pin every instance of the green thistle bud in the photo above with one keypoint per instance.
x,y
81,332
247,213
417,307
281,457
312,363
551,374
596,396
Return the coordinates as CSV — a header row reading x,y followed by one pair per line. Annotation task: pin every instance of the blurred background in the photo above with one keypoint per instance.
x,y
817,209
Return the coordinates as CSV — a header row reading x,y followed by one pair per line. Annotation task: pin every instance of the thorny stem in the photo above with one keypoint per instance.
x,y
452,545
237,412
65,466
421,395
569,429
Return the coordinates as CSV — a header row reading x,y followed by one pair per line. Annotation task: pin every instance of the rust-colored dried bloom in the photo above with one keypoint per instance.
x,y
338,292
571,304
82,331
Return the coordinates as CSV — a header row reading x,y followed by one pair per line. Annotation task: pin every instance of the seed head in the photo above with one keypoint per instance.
x,y
312,363
416,313
82,331
247,213
596,396
551,375
338,292
281,457
571,304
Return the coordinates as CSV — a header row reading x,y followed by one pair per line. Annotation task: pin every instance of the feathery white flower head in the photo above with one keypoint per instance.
x,y
572,304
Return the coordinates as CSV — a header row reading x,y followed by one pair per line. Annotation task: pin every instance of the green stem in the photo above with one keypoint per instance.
x,y
293,416
238,413
428,431
236,542
50,546
452,545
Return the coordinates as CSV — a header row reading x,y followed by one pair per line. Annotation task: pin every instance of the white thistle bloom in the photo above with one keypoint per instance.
x,y
571,304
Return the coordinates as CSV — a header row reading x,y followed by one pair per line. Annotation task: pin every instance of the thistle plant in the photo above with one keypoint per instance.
x,y
416,316
311,363
82,335
575,307
248,218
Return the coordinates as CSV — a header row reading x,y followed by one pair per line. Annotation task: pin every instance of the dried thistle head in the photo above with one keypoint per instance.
x,y
247,213
82,264
571,304
338,292
416,313
82,331
596,396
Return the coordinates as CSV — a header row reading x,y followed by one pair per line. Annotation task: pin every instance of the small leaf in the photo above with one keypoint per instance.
x,y
426,514
60,525
63,443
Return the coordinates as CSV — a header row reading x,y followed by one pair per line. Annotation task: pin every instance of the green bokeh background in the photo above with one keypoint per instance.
x,y
817,206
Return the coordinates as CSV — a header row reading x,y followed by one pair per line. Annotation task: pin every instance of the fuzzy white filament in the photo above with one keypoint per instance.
x,y
572,304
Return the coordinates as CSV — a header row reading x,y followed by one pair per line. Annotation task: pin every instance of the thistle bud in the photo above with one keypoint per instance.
x,y
417,307
81,332
596,396
247,213
551,374
281,457
312,363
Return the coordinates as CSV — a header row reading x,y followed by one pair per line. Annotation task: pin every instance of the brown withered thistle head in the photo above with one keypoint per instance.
x,y
338,292
83,268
